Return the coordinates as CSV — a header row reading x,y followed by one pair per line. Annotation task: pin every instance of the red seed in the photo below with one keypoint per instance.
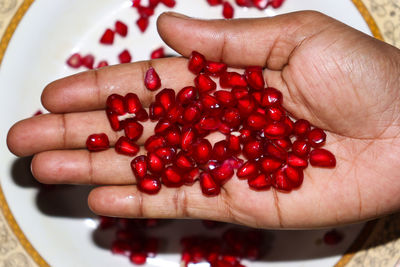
x,y
275,3
166,97
175,114
233,143
142,23
173,136
116,104
228,10
269,164
162,126
108,37
191,114
260,4
88,61
209,123
152,80
136,3
254,77
245,135
204,83
244,3
208,186
97,142
295,176
296,161
256,121
240,92
125,57
276,130
186,95
280,181
154,3
113,119
246,106
232,79
247,170
121,28
172,177
271,96
154,142
102,64
301,148
74,61
167,154
156,111
133,130
275,151
169,3
197,62
139,166
132,103
225,98
284,143
146,11
301,127
215,68
276,113
142,115
138,258
126,147
120,247
209,103
154,163
157,53
201,151
260,182
106,222
316,137
220,151
190,177
222,173
253,149
320,157
184,162
188,138
214,2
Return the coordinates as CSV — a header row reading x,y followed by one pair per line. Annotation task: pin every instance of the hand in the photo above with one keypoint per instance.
x,y
339,79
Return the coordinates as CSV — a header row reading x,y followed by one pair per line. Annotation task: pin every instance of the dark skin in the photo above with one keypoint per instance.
x,y
339,79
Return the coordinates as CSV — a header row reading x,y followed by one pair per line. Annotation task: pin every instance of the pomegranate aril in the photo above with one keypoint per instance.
x,y
269,164
284,143
154,142
301,127
116,104
276,113
214,2
295,176
108,37
220,150
208,186
245,135
240,92
121,28
102,64
97,142
249,169
156,111
154,3
132,103
316,137
233,143
142,115
172,177
173,136
260,4
162,126
113,119
88,61
120,247
201,151
74,61
183,161
244,3
190,177
225,98
254,77
146,11
167,154
271,96
152,80
289,124
136,3
158,53
256,121
175,114
125,57
301,148
204,83
322,158
138,258
186,95
253,149
154,163
246,105
275,151
215,68
133,130
126,147
276,130
142,23
227,10
139,166
232,79
169,3
191,114
222,173
275,3
189,136
197,62
280,180
260,182
296,161
166,97
106,222
209,123
209,103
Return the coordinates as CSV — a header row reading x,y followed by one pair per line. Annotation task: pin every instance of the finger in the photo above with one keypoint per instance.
x,y
89,90
64,131
265,42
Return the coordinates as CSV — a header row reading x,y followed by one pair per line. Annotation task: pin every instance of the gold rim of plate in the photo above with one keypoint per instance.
x,y
23,240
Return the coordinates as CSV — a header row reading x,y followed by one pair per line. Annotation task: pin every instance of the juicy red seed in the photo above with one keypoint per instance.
x,y
227,10
186,95
276,113
247,170
209,103
88,61
208,186
166,97
280,180
121,28
244,3
146,11
295,176
253,149
169,3
316,137
172,177
106,222
246,106
132,103
173,136
296,161
142,115
301,127
209,123
233,143
126,147
222,173
139,166
152,80
154,142
142,23
136,3
125,57
322,158
108,37
149,184
183,161
275,130
225,98
191,114
245,134
156,111
113,119
220,150
256,121
257,95
162,126
190,177
240,92
120,247
102,64
225,128
97,142
188,138
271,97
201,151
154,163
154,3
214,2
275,3
260,182
284,143
175,114
289,124
232,79
167,154
301,148
158,53
133,130
204,83
74,61
231,117
116,104
197,62
332,237
215,68
138,258
260,4
276,151
254,77
269,164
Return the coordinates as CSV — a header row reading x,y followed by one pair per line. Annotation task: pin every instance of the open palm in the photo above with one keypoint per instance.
x,y
330,74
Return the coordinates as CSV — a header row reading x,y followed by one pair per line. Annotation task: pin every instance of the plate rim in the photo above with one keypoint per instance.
x,y
20,235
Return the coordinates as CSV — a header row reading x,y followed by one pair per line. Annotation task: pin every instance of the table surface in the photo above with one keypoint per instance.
x,y
377,245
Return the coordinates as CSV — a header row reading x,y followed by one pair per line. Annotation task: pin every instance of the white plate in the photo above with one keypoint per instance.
x,y
58,223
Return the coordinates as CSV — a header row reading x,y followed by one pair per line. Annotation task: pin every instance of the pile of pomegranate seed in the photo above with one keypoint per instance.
x,y
250,115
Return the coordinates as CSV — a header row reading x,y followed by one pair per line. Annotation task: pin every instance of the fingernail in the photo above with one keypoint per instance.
x,y
177,15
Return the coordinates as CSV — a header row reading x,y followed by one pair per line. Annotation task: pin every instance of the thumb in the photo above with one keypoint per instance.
x,y
267,42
